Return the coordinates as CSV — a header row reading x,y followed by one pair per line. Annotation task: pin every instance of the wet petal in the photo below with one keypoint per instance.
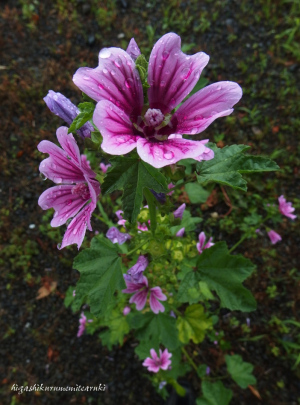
x,y
69,144
119,135
201,109
160,154
116,79
65,204
172,74
133,50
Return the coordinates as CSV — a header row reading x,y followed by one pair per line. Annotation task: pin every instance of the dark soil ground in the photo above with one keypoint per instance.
x,y
42,44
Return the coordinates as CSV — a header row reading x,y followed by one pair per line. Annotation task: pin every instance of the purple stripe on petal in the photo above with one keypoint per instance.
x,y
139,299
172,74
69,144
116,79
160,154
116,128
201,109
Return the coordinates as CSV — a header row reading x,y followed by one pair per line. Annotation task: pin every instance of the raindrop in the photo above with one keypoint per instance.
x,y
113,72
118,62
128,83
121,140
168,155
165,55
185,73
104,53
43,177
105,71
86,77
43,165
59,246
55,97
167,72
101,87
55,214
219,88
162,83
53,166
187,57
75,231
68,221
197,74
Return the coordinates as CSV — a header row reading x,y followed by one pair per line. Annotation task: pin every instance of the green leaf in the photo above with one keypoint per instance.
x,y
100,274
118,328
193,325
188,222
224,274
229,163
197,194
153,331
133,175
240,371
86,114
214,394
151,201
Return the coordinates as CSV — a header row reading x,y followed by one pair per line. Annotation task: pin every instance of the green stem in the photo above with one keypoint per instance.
x,y
138,247
190,360
106,220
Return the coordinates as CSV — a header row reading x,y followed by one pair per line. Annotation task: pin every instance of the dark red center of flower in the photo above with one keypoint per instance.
x,y
82,190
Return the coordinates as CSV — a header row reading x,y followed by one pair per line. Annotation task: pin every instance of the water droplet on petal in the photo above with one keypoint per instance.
x,y
101,87
165,55
86,77
185,73
58,245
197,74
57,180
219,88
55,214
105,71
69,202
118,62
75,231
121,140
53,166
68,221
43,177
113,72
168,155
128,83
104,53
162,83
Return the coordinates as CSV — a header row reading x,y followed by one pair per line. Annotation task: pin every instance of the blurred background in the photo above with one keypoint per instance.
x,y
42,44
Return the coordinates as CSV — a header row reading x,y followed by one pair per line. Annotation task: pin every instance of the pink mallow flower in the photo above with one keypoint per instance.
x,y
286,208
115,236
179,212
141,290
135,273
104,167
77,193
274,237
155,363
126,123
201,244
142,227
121,221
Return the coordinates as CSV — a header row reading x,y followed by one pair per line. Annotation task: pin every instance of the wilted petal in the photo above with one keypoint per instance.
x,y
115,236
116,79
133,50
65,203
77,228
201,109
172,74
274,237
170,151
119,135
179,212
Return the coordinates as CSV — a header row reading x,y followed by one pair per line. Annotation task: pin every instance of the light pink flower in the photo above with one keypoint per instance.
x,y
125,123
179,212
135,273
121,221
274,237
142,227
286,208
140,291
115,236
201,244
77,193
155,363
82,323
180,233
126,310
104,167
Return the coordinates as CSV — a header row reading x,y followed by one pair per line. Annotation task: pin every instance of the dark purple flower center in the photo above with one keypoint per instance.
x,y
82,190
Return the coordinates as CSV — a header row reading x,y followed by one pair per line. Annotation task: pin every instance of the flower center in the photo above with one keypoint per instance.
x,y
82,190
153,117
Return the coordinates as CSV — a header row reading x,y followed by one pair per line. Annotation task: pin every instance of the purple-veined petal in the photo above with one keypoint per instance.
x,y
65,203
202,108
140,299
160,154
133,50
171,73
286,208
133,286
119,135
274,237
116,79
115,236
85,166
151,365
179,212
180,233
69,144
165,359
153,355
77,228
156,295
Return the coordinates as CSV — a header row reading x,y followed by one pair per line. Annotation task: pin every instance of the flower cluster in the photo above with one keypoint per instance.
x,y
158,362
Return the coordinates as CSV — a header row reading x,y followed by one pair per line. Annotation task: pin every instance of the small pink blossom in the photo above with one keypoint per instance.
x,y
171,185
155,363
286,208
179,212
142,227
274,237
180,233
121,221
126,310
140,290
126,123
77,191
115,236
82,323
104,167
201,244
